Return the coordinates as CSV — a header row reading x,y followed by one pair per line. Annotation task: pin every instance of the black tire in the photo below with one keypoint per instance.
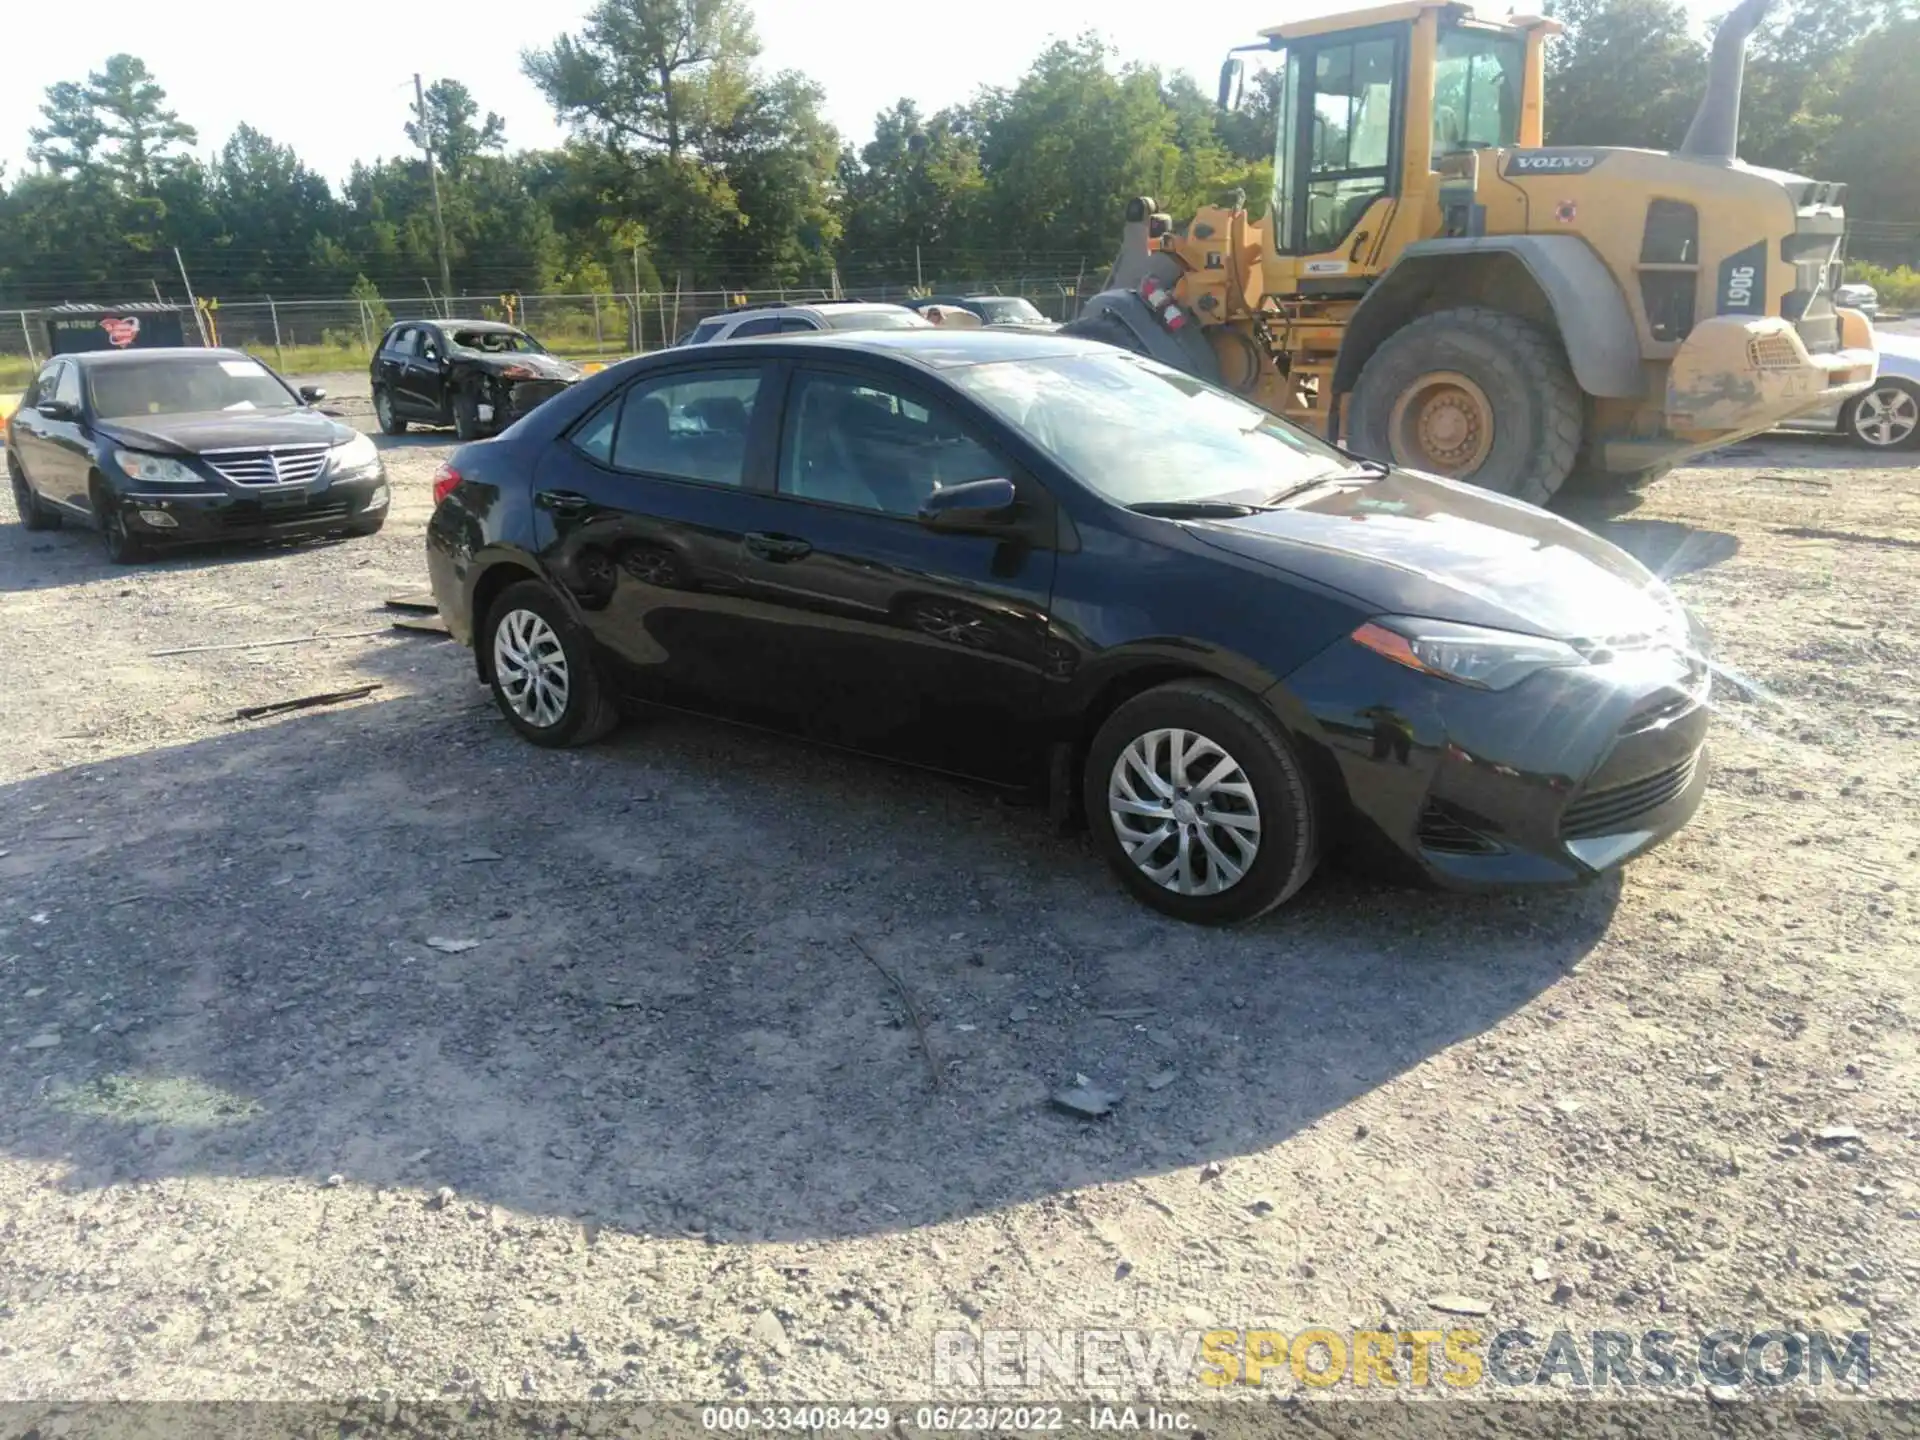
x,y
1885,417
1287,810
384,412
589,711
1537,409
33,515
466,414
123,547
1107,330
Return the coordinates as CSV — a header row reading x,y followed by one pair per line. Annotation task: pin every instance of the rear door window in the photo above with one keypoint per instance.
x,y
689,426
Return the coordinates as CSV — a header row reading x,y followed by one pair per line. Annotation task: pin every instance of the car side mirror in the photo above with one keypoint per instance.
x,y
57,410
976,505
312,393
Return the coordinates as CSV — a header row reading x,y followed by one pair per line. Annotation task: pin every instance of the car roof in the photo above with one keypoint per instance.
x,y
485,325
91,358
933,347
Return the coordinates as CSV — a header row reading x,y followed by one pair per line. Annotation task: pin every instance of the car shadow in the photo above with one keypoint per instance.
x,y
659,982
50,559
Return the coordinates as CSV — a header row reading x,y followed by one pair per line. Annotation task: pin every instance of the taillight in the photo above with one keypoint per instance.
x,y
444,481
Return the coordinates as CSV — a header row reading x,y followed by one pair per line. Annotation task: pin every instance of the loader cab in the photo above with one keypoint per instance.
x,y
1370,105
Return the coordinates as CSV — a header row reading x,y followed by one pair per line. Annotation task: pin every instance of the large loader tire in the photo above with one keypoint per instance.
x,y
1105,329
1473,394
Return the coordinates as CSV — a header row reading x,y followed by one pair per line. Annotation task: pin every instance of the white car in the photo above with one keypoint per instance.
x,y
1859,296
1886,416
802,319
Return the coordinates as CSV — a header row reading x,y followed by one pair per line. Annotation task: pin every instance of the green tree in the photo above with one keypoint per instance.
x,y
450,132
916,184
1627,72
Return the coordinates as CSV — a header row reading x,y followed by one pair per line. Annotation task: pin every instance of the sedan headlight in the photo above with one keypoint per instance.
x,y
1468,654
359,453
153,469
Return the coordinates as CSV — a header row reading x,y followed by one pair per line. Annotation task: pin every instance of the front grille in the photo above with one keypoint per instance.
x,y
251,515
282,465
1610,811
1773,351
1446,834
528,394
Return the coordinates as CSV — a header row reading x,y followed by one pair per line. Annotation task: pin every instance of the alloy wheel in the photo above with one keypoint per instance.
x,y
530,664
1887,416
1184,812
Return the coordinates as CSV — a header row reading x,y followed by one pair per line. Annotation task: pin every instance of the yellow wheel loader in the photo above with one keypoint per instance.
x,y
1436,287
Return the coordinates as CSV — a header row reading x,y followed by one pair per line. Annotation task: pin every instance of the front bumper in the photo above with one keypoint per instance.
x,y
1566,776
222,511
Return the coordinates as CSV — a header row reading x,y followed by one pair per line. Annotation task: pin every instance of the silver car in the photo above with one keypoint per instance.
x,y
1886,416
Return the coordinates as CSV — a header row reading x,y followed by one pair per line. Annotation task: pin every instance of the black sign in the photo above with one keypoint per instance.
x,y
1743,282
1554,162
72,333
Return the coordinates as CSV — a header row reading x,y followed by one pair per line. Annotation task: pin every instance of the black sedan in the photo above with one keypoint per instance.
x,y
478,376
1042,561
157,447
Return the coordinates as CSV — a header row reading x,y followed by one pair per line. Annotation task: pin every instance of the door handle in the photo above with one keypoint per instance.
x,y
561,502
777,547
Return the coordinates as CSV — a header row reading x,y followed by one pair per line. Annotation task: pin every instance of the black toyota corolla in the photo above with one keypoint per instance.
x,y
156,447
1042,561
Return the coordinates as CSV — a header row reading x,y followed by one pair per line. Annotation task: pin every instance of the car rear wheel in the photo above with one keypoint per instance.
x,y
33,515
383,411
1200,805
1887,417
545,677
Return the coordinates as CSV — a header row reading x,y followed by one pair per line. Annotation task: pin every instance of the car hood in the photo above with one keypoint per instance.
x,y
225,430
544,367
1410,544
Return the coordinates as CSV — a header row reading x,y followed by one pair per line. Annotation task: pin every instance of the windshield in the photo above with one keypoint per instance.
x,y
1013,311
498,342
180,385
901,319
1139,432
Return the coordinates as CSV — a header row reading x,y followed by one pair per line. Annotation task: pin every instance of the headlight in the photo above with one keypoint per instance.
x,y
1470,654
153,469
359,453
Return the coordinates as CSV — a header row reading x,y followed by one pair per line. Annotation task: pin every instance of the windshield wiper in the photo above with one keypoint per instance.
x,y
1195,509
1359,470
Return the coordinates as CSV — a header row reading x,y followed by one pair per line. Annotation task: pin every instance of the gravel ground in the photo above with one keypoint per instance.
x,y
664,1131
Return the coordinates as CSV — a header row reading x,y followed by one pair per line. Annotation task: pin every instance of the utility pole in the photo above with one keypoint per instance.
x,y
433,177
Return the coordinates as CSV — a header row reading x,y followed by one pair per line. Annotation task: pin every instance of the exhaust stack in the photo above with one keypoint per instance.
x,y
1715,131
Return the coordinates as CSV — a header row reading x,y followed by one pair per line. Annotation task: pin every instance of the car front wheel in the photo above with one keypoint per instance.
x,y
544,675
1200,805
123,547
1887,417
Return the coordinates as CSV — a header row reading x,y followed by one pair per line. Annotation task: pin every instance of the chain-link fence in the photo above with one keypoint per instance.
x,y
308,335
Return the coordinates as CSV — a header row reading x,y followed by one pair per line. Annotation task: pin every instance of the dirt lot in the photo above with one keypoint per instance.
x,y
692,1144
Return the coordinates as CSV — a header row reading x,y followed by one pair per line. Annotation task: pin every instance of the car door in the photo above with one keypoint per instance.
x,y
927,646
643,511
427,374
386,361
396,360
24,436
63,457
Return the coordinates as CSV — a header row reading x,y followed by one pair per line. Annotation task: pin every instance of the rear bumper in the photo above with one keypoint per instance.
x,y
1745,375
200,516
1565,777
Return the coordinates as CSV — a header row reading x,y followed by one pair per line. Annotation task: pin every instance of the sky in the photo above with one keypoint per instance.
x,y
336,81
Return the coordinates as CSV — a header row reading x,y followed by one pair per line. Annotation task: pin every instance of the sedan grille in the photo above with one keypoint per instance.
x,y
283,465
1610,811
